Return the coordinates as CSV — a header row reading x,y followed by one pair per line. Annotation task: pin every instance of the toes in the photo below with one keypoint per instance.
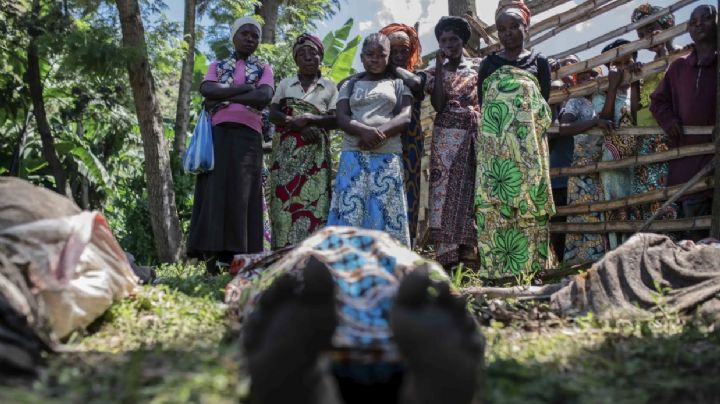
x,y
413,290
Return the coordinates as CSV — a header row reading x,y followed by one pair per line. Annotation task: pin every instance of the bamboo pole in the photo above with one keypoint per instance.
x,y
580,19
534,292
601,84
577,13
641,130
660,157
639,199
536,7
612,54
715,228
629,226
624,29
480,28
540,6
694,180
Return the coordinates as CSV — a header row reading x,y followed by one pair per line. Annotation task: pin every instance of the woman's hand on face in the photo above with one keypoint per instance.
x,y
371,138
439,59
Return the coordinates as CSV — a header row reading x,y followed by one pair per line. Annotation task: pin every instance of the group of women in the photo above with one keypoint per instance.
x,y
490,196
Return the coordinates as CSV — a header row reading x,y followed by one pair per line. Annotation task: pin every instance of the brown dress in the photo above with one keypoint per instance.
x,y
452,163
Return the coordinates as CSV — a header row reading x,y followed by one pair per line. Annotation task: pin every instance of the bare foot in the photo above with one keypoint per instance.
x,y
439,340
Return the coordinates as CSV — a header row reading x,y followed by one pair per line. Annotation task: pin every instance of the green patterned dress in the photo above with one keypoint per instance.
x,y
513,199
299,180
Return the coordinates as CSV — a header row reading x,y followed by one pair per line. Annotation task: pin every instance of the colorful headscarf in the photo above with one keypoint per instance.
x,y
310,41
645,10
516,7
458,25
407,36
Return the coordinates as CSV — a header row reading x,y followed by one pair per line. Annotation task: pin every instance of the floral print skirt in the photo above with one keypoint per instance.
x,y
512,244
299,180
370,193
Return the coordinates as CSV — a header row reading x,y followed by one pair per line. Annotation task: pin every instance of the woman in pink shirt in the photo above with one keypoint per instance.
x,y
227,215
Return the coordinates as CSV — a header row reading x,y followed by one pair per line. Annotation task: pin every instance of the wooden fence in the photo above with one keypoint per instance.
x,y
551,26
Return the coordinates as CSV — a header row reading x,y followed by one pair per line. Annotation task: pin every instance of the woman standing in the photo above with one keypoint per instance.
x,y
373,109
513,201
405,56
227,213
303,108
452,85
576,117
651,176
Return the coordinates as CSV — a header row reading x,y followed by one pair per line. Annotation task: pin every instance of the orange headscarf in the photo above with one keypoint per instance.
x,y
414,44
517,6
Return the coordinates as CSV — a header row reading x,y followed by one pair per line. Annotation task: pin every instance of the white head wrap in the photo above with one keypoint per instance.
x,y
243,21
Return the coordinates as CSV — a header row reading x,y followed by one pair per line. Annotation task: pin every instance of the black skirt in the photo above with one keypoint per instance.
x,y
227,212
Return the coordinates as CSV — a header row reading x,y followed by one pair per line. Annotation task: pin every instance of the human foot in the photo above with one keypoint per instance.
x,y
439,340
293,323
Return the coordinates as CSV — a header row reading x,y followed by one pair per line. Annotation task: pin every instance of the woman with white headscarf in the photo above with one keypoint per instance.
x,y
227,216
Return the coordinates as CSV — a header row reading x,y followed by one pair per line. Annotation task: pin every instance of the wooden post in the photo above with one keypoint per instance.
x,y
715,224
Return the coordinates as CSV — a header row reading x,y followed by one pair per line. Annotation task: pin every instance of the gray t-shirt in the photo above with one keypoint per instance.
x,y
372,103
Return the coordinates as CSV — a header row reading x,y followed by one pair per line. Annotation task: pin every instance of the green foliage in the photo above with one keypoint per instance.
x,y
340,53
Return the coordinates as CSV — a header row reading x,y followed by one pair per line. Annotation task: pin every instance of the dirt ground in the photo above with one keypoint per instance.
x,y
174,344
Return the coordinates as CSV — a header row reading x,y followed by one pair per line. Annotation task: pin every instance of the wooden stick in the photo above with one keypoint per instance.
x,y
601,84
682,191
536,7
629,226
624,30
480,27
642,130
540,6
660,157
627,49
639,199
580,12
535,292
578,20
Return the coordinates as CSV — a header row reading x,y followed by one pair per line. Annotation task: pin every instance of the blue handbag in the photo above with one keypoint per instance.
x,y
199,156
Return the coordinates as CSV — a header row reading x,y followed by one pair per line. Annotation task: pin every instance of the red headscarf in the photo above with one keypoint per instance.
x,y
515,6
413,44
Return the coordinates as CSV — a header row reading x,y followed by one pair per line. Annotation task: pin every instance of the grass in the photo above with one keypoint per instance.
x,y
174,344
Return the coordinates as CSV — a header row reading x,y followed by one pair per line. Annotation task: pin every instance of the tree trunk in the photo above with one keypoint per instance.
x,y
459,8
163,213
36,94
183,102
268,10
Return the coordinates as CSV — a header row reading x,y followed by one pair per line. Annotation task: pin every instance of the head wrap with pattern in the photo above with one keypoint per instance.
x,y
405,35
517,7
310,41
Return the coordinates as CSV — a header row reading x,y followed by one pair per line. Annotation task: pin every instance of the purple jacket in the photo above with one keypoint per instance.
x,y
686,95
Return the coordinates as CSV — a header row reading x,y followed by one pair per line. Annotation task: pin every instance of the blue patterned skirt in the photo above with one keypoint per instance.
x,y
369,193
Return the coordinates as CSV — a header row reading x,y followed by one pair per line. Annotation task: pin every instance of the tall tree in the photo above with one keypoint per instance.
x,y
268,10
182,114
460,8
163,213
36,94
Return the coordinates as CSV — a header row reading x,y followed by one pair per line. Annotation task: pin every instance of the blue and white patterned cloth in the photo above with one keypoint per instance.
x,y
370,193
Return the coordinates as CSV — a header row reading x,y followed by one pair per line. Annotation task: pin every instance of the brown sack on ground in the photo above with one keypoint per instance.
x,y
22,202
647,271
